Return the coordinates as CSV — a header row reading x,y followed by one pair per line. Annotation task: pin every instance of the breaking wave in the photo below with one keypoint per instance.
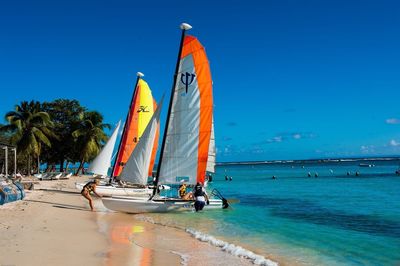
x,y
224,246
232,249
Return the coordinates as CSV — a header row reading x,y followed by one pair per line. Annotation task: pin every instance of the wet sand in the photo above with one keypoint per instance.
x,y
53,225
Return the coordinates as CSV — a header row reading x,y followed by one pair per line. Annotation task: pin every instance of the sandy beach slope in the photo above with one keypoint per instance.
x,y
53,225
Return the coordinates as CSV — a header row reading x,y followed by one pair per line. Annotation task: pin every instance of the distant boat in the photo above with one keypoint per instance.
x,y
366,165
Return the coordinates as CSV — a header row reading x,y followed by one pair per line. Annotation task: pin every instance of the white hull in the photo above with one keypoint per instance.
x,y
144,205
119,191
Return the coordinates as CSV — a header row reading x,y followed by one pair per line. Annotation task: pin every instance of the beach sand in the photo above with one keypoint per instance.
x,y
53,225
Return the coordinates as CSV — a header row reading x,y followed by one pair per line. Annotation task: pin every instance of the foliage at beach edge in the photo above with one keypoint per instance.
x,y
61,132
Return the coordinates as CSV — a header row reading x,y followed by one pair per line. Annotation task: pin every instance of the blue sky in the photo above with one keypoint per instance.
x,y
292,79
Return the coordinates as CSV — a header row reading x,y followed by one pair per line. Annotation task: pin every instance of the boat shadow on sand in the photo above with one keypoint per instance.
x,y
59,191
61,205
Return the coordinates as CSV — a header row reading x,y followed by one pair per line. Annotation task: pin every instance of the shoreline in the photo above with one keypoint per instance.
x,y
53,225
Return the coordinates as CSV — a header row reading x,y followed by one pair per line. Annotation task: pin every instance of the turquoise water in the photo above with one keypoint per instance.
x,y
335,219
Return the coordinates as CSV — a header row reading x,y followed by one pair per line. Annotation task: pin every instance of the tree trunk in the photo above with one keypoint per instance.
x,y
38,164
29,166
66,166
62,165
80,167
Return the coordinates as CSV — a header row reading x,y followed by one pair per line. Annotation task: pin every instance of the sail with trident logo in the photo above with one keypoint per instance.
x,y
141,110
188,133
187,136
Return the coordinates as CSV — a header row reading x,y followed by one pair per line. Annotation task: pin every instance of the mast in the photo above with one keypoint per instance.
x,y
139,76
184,27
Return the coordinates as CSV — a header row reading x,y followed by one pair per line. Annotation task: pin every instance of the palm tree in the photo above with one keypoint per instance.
x,y
28,128
67,117
89,137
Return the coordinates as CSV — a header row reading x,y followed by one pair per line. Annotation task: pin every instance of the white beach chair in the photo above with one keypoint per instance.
x,y
69,175
57,176
38,175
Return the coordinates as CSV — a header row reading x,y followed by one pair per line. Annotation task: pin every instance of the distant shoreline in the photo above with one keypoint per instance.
x,y
307,161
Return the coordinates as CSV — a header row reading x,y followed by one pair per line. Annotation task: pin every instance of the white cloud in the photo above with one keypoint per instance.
x,y
392,121
291,136
394,143
367,149
297,136
275,139
363,148
258,151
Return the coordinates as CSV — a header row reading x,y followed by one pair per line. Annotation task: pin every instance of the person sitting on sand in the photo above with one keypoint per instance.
x,y
90,187
200,196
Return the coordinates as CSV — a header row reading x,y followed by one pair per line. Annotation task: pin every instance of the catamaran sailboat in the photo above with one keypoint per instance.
x,y
135,148
186,142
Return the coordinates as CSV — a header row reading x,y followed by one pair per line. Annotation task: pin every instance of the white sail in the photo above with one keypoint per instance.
x,y
211,152
186,143
137,167
102,162
188,135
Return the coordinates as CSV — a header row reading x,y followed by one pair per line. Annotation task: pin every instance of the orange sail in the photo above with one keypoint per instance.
x,y
188,135
139,115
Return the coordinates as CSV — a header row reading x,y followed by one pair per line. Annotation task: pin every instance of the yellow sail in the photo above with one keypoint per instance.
x,y
139,115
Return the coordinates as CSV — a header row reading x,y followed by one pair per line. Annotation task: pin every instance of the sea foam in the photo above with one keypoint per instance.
x,y
225,246
184,257
232,249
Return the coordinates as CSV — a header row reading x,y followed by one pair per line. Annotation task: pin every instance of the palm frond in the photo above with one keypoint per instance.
x,y
39,134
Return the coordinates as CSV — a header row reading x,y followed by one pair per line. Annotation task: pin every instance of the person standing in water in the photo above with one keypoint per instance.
x,y
200,196
90,187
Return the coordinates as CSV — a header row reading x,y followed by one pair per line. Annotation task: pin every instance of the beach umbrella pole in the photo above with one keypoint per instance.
x,y
6,159
15,161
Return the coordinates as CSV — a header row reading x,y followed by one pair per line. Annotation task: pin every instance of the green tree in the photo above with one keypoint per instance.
x,y
28,128
67,116
89,137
